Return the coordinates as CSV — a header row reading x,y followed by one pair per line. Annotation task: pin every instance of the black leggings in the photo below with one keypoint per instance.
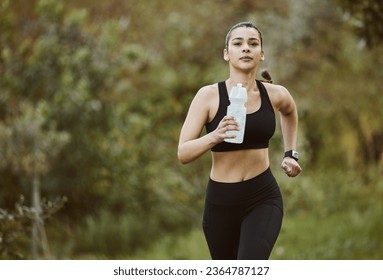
x,y
243,220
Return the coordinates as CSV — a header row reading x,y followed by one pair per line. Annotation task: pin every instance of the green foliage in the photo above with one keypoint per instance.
x,y
367,19
336,216
92,93
15,226
27,134
191,246
13,232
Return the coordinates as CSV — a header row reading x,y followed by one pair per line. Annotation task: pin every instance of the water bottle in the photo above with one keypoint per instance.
x,y
237,109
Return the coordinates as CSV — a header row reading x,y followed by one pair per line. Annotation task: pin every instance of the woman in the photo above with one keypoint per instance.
x,y
243,207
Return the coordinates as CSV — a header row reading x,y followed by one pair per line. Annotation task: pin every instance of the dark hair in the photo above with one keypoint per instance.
x,y
247,24
267,77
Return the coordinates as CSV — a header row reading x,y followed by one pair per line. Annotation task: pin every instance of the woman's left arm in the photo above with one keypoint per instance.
x,y
285,104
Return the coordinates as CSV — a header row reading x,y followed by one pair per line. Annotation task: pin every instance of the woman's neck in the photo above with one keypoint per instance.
x,y
246,79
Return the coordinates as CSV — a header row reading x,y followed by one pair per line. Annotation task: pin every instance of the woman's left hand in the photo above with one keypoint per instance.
x,y
291,167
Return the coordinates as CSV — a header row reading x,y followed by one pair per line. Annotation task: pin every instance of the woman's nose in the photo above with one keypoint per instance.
x,y
246,49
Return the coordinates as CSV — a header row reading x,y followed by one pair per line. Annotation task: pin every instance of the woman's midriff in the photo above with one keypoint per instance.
x,y
237,166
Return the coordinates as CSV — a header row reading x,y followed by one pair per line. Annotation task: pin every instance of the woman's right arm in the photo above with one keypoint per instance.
x,y
191,146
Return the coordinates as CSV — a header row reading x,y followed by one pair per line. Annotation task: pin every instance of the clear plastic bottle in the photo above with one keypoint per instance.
x,y
237,109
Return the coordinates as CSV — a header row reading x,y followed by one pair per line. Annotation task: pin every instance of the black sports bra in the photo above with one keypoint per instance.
x,y
260,125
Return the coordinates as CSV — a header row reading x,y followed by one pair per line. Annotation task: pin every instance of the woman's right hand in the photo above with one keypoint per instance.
x,y
228,123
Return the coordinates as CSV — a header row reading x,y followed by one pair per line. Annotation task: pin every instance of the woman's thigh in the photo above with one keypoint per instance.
x,y
259,232
221,225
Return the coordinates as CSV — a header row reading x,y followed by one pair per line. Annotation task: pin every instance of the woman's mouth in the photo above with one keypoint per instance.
x,y
246,58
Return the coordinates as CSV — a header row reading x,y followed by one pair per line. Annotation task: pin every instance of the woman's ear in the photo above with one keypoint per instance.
x,y
225,55
262,56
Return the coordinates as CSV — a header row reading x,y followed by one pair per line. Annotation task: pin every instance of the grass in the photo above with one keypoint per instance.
x,y
345,236
348,235
189,247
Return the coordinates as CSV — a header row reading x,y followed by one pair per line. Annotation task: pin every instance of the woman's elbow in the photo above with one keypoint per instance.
x,y
182,158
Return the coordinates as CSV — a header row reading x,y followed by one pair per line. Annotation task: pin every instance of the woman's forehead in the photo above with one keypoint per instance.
x,y
245,32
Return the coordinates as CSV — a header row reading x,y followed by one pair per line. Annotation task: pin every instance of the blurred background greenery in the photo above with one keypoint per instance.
x,y
93,96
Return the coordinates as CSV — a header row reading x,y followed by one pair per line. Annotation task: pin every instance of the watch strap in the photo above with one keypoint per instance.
x,y
292,154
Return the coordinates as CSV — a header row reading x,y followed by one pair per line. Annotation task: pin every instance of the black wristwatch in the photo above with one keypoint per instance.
x,y
292,154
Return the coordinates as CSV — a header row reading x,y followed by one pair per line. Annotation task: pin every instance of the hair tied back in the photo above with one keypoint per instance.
x,y
266,75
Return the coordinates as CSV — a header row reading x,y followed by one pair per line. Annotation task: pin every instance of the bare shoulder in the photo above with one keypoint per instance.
x,y
279,95
206,97
205,102
207,92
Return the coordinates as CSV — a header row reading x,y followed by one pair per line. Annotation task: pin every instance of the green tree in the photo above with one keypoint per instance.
x,y
367,18
52,116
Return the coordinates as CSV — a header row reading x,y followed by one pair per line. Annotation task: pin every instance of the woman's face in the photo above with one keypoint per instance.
x,y
244,48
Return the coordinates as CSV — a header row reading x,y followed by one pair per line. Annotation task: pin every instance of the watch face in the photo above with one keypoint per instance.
x,y
295,154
